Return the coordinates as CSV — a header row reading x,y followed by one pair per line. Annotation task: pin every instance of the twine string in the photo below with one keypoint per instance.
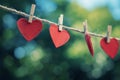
x,y
50,22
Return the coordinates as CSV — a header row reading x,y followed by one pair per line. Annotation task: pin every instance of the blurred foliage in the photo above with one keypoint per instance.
x,y
40,60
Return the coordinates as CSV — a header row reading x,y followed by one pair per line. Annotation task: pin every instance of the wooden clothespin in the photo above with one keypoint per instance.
x,y
85,26
109,33
60,22
31,13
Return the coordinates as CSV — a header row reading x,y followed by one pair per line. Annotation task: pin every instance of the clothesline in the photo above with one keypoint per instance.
x,y
50,22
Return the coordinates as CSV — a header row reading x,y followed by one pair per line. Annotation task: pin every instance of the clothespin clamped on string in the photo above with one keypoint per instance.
x,y
85,26
109,33
31,13
60,22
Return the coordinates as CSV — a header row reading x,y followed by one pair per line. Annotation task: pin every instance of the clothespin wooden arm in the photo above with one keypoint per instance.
x,y
31,13
60,22
85,26
109,33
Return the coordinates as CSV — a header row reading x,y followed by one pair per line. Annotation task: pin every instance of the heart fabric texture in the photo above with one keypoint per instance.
x,y
89,43
111,49
59,38
29,30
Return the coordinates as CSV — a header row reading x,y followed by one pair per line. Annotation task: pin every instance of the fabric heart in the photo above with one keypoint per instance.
x,y
59,38
29,30
111,48
89,43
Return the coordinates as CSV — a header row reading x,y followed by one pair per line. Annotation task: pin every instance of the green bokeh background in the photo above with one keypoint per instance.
x,y
40,60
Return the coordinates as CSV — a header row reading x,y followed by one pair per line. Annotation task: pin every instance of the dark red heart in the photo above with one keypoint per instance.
x,y
29,30
59,38
111,48
89,43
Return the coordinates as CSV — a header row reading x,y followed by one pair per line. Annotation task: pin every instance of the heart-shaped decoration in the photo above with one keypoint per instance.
x,y
59,38
29,30
89,43
111,48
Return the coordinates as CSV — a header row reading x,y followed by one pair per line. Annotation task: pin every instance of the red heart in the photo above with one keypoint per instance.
x,y
29,30
111,48
89,43
59,38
